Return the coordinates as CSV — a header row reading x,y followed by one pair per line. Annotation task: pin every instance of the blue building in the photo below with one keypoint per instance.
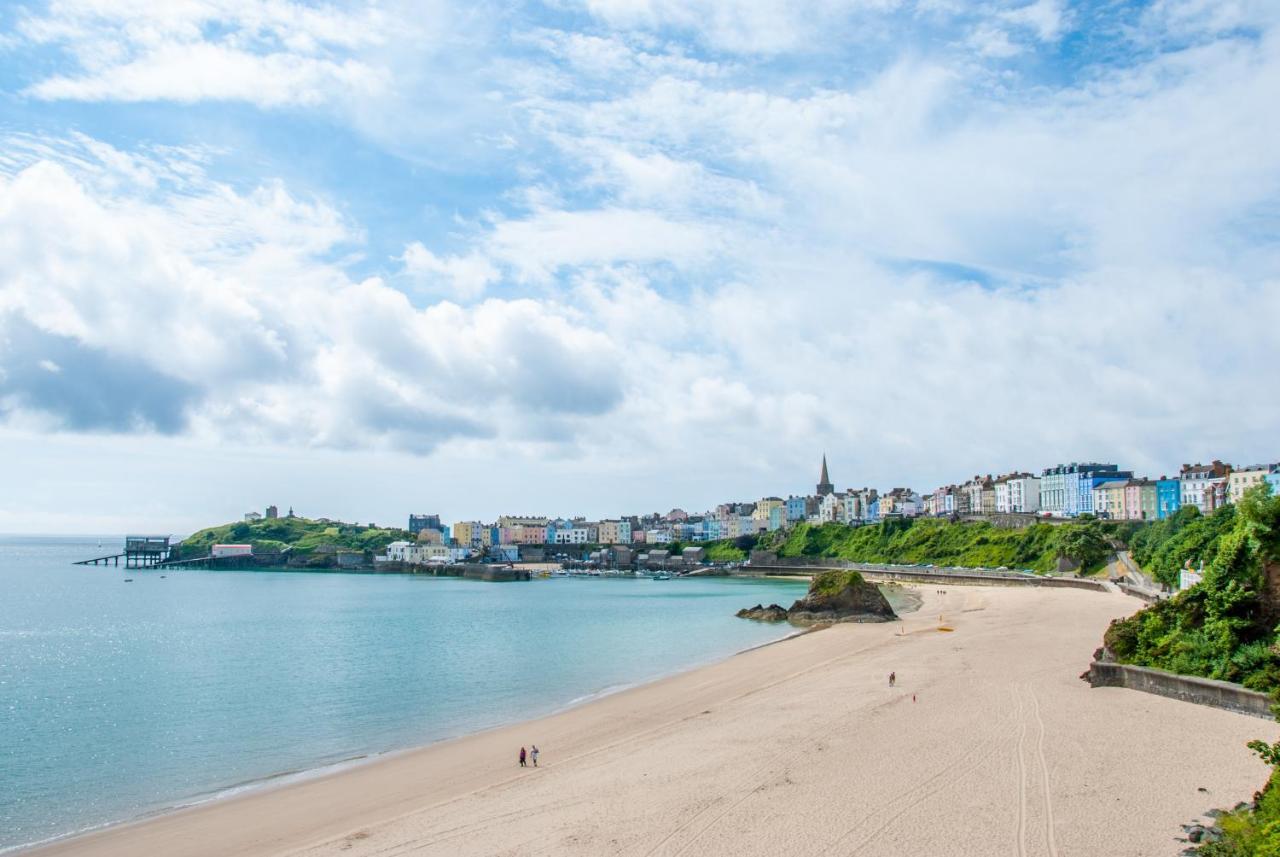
x,y
1168,497
777,518
1078,482
873,511
1273,479
795,509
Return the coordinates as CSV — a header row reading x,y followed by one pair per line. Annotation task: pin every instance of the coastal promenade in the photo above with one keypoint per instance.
x,y
989,744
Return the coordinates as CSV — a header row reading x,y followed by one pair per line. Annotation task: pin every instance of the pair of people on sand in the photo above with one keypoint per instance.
x,y
531,756
893,680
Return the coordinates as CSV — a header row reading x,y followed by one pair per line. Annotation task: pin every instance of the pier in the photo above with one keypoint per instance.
x,y
139,552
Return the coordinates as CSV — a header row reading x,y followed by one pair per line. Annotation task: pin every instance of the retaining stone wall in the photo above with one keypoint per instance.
x,y
1188,688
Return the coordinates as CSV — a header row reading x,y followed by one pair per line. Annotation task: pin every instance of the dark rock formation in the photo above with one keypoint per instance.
x,y
834,596
772,613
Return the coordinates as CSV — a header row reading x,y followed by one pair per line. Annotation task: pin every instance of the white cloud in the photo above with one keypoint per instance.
x,y
272,54
747,26
930,265
540,245
1043,17
225,306
457,277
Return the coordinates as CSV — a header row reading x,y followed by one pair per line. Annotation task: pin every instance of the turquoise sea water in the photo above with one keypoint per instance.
x,y
119,699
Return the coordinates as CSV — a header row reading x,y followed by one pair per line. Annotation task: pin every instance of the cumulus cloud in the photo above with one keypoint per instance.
x,y
719,240
219,311
459,277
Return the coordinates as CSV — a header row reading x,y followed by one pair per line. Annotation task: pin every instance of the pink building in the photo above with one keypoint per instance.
x,y
531,535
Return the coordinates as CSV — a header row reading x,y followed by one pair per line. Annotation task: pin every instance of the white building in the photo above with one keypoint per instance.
x,y
396,551
428,554
231,550
830,508
573,536
1002,495
1200,484
851,509
1024,493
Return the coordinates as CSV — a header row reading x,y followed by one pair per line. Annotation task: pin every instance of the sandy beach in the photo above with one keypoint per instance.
x,y
989,744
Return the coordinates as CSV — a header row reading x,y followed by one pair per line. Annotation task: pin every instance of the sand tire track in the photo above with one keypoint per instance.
x,y
1021,842
1044,775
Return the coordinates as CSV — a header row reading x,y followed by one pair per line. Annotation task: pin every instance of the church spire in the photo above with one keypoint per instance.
x,y
824,482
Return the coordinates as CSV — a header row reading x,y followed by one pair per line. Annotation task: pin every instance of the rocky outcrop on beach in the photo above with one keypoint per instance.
x,y
834,596
772,613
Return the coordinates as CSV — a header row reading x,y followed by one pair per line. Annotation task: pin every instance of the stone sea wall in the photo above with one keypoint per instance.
x,y
1188,688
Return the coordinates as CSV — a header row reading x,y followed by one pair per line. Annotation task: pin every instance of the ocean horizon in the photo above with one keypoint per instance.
x,y
120,700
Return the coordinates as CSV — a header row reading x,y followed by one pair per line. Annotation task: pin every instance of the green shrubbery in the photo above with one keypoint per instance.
x,y
940,542
1162,548
1224,628
831,583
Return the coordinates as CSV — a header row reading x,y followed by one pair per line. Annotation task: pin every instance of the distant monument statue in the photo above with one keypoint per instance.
x,y
824,482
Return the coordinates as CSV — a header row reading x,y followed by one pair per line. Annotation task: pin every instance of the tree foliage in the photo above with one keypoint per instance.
x,y
1225,627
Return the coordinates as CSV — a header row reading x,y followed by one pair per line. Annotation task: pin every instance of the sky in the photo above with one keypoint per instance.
x,y
614,256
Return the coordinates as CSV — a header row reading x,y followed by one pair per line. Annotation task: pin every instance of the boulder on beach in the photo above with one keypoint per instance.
x,y
772,613
834,596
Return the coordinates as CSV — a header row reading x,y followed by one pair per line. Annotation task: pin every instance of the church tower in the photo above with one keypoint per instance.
x,y
824,482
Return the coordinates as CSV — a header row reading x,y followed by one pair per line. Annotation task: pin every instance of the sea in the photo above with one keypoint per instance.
x,y
123,699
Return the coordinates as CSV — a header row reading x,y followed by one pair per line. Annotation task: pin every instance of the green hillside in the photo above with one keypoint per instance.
x,y
302,535
941,542
1163,547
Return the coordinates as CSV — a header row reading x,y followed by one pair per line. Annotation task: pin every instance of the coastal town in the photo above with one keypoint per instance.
x,y
1061,492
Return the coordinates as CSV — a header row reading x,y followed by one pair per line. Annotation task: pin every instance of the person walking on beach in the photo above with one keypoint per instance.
x,y
893,678
533,755
522,758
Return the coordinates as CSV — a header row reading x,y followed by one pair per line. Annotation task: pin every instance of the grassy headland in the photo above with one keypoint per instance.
x,y
301,535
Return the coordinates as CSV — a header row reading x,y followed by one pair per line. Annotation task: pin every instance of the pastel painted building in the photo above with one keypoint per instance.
x,y
795,509
851,508
1168,497
764,509
873,510
1140,500
1242,479
777,517
1108,499
1273,479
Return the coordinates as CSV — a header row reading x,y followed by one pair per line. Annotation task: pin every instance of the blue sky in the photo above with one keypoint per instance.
x,y
605,256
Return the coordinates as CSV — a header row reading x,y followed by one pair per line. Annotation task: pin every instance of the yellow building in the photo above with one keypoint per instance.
x,y
608,533
1240,481
1109,500
463,532
765,507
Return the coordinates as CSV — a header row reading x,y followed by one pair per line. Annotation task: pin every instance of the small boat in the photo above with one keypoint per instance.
x,y
662,575
128,580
